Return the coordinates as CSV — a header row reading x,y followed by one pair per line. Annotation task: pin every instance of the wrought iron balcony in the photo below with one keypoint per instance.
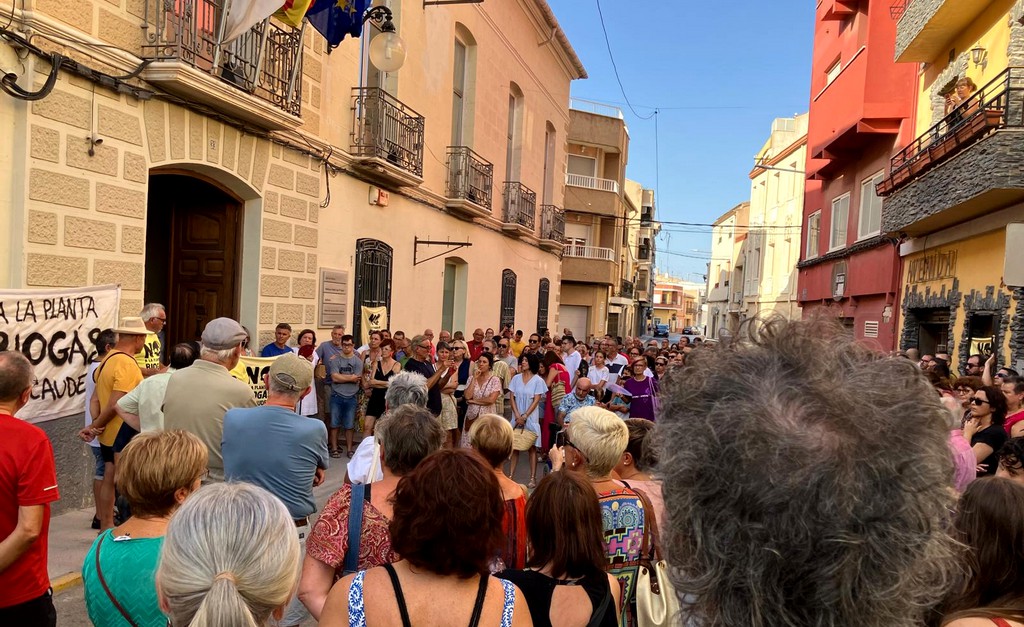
x,y
552,226
470,178
626,289
520,207
999,104
266,61
388,134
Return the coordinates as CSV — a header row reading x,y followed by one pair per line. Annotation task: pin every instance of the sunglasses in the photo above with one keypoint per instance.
x,y
978,401
534,341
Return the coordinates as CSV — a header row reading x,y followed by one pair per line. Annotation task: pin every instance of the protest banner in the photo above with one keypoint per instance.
x,y
251,370
374,319
55,329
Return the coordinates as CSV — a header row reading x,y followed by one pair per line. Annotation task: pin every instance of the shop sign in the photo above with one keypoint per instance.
x,y
934,266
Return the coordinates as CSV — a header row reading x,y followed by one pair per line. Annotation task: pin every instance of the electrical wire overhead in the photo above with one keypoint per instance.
x,y
615,68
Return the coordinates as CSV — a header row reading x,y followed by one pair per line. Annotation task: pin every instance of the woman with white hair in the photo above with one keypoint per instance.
x,y
230,557
593,444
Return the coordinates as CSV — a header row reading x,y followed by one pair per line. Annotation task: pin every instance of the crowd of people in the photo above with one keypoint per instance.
x,y
789,477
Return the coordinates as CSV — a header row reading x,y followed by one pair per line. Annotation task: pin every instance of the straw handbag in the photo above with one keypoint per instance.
x,y
522,440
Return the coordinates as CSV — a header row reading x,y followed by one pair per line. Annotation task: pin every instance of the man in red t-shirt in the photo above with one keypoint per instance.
x,y
28,484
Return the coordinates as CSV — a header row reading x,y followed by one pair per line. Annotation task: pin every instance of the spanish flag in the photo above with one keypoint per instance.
x,y
293,11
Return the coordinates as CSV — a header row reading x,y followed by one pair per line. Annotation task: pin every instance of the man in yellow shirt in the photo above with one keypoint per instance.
x,y
149,358
116,375
516,344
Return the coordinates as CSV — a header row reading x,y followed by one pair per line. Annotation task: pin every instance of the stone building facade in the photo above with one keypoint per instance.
x,y
952,193
286,185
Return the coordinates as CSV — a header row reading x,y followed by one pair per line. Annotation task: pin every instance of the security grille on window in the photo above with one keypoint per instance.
x,y
508,298
542,303
372,280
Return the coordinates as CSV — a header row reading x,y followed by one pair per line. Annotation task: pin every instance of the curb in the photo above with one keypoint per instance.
x,y
66,581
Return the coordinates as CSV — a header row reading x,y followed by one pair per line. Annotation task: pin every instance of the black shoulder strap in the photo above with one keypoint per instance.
x,y
597,617
103,582
96,373
478,607
402,609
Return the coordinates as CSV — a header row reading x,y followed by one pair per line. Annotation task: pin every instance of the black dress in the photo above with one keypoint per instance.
x,y
375,406
538,589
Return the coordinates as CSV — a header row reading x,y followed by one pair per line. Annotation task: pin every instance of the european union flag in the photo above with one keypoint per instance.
x,y
336,18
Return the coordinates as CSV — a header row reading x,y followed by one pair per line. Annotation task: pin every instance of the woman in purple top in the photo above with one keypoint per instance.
x,y
644,390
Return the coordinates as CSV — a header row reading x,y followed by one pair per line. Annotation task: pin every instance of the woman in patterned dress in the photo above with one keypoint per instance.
x,y
407,435
449,407
491,436
481,393
444,576
594,443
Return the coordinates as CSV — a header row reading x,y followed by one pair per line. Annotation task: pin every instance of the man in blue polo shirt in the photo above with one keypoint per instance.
x,y
279,346
296,458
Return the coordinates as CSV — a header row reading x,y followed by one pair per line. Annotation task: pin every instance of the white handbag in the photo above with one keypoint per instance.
x,y
656,602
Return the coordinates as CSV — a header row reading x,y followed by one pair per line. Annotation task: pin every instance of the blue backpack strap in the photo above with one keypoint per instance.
x,y
360,494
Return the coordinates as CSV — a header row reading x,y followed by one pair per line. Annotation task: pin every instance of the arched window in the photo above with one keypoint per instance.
x,y
372,280
508,298
542,304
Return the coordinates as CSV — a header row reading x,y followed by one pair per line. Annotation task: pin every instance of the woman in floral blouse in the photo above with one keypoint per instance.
x,y
407,436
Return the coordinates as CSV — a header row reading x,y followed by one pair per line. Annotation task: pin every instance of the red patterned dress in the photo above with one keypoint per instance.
x,y
328,540
513,554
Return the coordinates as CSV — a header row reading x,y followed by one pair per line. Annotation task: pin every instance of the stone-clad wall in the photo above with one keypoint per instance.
x,y
913,20
995,162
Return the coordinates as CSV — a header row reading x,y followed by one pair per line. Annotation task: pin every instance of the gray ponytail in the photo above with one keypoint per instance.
x,y
230,557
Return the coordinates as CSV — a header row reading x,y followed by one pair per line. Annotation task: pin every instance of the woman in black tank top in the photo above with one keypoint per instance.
x,y
567,557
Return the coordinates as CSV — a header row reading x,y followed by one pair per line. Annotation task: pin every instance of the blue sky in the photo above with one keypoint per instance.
x,y
720,71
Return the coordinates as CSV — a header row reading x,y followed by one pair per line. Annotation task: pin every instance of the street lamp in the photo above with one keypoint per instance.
x,y
387,50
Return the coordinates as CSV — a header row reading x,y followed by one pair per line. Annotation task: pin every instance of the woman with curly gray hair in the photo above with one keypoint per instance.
x,y
806,482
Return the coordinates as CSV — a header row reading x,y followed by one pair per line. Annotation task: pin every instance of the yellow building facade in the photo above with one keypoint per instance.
x,y
772,249
268,181
955,192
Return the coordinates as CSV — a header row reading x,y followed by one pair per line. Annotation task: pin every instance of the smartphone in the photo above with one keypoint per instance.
x,y
560,439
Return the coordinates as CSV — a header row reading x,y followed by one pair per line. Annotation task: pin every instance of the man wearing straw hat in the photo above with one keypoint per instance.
x,y
117,375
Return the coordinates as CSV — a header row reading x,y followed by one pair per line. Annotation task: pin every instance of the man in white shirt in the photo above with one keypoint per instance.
x,y
570,357
615,360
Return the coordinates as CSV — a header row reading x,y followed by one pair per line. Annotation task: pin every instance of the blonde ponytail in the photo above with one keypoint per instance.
x,y
230,557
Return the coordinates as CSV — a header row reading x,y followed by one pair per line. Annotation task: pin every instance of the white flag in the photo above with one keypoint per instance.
x,y
244,14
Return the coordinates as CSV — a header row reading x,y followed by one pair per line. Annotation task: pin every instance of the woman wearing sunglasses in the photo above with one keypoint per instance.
x,y
985,430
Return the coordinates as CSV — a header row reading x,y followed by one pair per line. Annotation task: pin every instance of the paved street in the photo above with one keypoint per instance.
x,y
71,537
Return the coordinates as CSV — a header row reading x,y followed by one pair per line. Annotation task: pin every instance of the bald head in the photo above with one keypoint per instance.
x,y
583,387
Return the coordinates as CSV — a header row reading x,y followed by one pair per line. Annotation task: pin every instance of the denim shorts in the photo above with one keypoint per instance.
x,y
343,411
101,466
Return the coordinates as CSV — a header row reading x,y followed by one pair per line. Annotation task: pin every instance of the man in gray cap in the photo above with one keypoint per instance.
x,y
198,396
294,463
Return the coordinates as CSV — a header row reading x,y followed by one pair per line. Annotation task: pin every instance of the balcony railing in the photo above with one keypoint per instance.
x,y
383,127
266,61
999,104
592,182
588,252
470,176
520,204
552,225
598,108
626,289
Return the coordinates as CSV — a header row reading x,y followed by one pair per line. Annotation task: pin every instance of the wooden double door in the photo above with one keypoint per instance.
x,y
193,253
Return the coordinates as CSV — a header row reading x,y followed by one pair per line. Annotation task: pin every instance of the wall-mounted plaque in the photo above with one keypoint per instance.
x,y
333,298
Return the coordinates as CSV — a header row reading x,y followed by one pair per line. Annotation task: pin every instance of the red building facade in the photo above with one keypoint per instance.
x,y
861,112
